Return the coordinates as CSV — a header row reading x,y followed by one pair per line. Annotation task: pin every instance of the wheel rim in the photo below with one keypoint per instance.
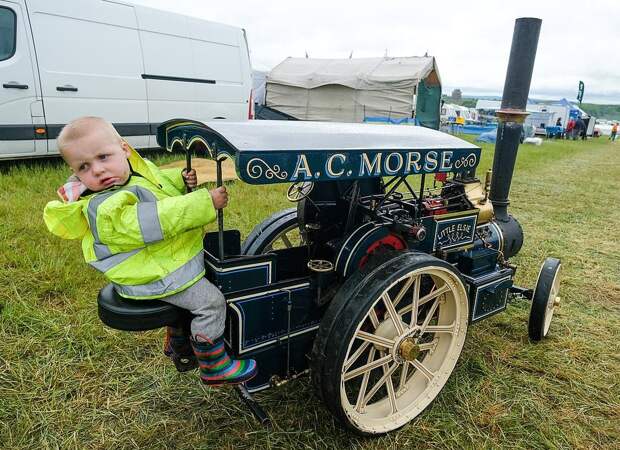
x,y
551,301
394,368
286,238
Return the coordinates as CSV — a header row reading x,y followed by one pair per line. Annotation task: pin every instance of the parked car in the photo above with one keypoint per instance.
x,y
603,127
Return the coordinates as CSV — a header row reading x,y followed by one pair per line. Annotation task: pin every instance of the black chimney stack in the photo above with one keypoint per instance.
x,y
512,112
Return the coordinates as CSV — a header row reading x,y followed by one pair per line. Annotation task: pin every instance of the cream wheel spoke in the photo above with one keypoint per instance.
x,y
403,378
434,294
379,383
422,368
429,316
364,385
415,303
392,394
356,355
427,298
373,318
366,368
427,346
440,328
389,306
374,339
403,291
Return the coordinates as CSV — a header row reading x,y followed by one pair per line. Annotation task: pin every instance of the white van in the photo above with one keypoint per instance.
x,y
132,65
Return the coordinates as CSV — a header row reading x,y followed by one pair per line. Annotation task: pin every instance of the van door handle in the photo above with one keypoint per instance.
x,y
14,85
66,87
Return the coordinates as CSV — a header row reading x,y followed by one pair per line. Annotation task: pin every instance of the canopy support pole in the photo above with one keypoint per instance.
x,y
188,159
220,212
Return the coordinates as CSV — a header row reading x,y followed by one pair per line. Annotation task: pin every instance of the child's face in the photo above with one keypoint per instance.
x,y
99,160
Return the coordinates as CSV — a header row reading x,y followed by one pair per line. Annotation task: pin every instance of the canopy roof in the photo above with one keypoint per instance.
x,y
283,151
358,73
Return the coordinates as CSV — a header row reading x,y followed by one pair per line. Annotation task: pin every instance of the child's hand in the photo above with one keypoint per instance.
x,y
191,181
220,197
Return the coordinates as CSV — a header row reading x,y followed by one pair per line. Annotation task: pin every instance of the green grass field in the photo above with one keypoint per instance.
x,y
66,381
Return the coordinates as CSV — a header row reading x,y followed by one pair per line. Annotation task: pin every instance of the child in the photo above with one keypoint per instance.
x,y
145,235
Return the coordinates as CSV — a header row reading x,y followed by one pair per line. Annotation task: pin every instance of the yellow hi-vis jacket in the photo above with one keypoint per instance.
x,y
145,236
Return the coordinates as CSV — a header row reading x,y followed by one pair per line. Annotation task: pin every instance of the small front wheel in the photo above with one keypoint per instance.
x,y
389,341
545,299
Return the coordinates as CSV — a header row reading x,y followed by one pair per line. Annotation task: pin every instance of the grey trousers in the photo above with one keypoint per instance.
x,y
207,304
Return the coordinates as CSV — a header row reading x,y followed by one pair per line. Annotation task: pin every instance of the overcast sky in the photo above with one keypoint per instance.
x,y
579,40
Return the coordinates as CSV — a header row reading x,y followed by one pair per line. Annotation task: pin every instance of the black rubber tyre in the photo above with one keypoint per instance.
x,y
265,233
350,287
544,299
345,319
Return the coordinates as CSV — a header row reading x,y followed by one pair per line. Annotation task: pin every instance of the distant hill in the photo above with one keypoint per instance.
x,y
608,112
483,97
467,102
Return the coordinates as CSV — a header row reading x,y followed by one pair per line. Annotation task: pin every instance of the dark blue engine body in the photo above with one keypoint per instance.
x,y
273,309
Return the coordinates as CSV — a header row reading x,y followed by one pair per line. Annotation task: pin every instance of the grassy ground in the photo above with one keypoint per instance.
x,y
66,381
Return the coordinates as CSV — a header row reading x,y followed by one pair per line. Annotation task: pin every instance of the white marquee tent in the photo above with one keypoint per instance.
x,y
350,90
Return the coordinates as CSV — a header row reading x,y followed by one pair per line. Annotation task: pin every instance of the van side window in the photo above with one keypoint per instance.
x,y
7,33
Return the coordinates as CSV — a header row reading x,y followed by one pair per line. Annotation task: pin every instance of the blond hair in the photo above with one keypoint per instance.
x,y
82,126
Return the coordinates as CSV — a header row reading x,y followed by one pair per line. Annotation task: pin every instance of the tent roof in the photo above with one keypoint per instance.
x,y
358,73
488,104
456,107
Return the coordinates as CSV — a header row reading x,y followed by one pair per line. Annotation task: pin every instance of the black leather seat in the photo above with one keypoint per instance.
x,y
136,315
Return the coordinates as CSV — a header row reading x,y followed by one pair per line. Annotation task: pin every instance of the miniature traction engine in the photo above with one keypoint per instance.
x,y
394,247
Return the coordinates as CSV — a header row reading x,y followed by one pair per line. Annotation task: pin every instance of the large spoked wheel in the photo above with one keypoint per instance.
x,y
545,299
389,341
280,230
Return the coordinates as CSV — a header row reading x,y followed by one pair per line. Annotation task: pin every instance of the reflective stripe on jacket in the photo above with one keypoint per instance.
x,y
145,236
